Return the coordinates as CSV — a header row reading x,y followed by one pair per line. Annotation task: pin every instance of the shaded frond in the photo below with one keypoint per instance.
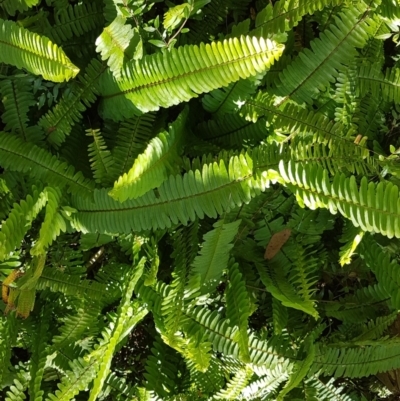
x,y
58,122
17,155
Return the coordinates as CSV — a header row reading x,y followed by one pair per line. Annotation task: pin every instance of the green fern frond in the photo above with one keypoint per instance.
x,y
11,6
126,311
39,355
373,207
314,69
282,15
233,130
8,335
387,85
238,309
317,390
53,222
208,266
67,284
366,359
17,100
236,385
75,20
180,199
130,141
100,157
58,122
185,245
20,219
183,73
18,155
226,100
154,165
36,54
375,329
113,42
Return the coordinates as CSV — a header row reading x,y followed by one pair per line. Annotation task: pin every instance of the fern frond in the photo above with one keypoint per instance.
x,y
100,157
131,140
238,309
154,165
226,100
375,329
19,221
39,355
373,207
113,42
359,361
11,6
75,20
236,385
126,311
180,199
8,333
233,130
324,391
17,155
53,222
36,54
58,122
208,266
57,281
387,85
314,69
17,99
183,73
282,16
185,245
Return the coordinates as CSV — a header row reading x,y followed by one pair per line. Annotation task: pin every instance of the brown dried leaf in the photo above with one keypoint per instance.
x,y
276,243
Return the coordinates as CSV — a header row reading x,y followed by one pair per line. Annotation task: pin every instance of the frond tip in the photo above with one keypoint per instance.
x,y
35,53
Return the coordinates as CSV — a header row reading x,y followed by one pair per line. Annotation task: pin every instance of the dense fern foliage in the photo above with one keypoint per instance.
x,y
199,200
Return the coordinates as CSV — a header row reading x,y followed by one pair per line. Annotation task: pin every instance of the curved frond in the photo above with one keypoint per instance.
x,y
18,155
183,73
179,199
100,157
58,122
113,42
36,54
11,6
75,20
314,69
238,309
19,221
373,207
154,165
53,223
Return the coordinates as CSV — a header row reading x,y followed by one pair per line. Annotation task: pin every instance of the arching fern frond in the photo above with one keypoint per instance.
x,y
57,123
180,199
238,309
227,99
18,99
18,155
387,85
373,207
314,69
152,167
53,223
282,15
19,221
131,139
361,360
75,20
213,258
183,73
11,6
36,54
100,157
